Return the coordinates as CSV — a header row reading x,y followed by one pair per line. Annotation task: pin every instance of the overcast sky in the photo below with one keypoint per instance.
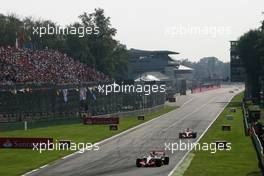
x,y
195,28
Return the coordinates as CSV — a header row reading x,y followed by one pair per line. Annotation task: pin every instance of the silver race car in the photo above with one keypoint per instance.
x,y
154,159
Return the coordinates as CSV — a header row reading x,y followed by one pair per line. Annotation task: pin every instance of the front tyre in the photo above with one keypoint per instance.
x,y
166,161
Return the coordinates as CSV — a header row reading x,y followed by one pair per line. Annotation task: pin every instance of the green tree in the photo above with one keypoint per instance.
x,y
100,51
10,26
249,47
109,55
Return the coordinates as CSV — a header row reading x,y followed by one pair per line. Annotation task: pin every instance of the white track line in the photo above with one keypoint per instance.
x,y
69,155
35,170
43,166
185,155
30,172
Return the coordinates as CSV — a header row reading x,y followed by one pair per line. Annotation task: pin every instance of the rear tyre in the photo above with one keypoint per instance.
x,y
138,162
158,162
180,135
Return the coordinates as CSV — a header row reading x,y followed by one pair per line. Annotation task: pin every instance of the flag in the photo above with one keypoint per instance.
x,y
58,92
93,95
83,91
16,43
65,95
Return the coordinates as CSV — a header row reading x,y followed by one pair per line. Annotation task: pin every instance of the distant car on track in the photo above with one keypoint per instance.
x,y
187,133
153,159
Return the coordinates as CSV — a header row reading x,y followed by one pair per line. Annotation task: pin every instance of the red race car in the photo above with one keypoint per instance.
x,y
154,159
188,133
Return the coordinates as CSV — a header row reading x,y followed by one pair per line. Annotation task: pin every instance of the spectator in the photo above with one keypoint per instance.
x,y
43,66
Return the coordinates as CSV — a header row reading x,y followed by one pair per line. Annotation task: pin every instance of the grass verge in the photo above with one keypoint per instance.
x,y
240,161
19,161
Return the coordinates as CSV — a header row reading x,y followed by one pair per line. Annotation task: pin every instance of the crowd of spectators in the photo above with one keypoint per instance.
x,y
43,66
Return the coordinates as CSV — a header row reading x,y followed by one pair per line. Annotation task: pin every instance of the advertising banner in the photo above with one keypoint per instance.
x,y
101,120
10,142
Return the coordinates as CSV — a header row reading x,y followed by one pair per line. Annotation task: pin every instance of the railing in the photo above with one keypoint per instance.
x,y
245,120
44,103
249,130
259,149
257,143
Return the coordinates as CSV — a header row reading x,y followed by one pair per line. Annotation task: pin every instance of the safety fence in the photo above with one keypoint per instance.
x,y
250,131
54,103
259,149
245,120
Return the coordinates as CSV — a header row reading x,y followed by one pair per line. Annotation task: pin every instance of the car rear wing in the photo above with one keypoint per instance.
x,y
159,151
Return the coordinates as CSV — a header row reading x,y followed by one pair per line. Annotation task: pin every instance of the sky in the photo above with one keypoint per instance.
x,y
193,28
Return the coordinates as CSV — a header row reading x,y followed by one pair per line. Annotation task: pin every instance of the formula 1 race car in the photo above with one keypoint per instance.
x,y
188,133
154,159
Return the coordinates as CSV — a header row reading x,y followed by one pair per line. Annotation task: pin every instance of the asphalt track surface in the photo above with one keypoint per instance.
x,y
117,157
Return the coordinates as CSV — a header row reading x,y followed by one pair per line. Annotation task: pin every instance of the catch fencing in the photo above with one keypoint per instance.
x,y
45,104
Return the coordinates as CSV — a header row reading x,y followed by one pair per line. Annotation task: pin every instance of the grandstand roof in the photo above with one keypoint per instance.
x,y
152,76
137,51
182,67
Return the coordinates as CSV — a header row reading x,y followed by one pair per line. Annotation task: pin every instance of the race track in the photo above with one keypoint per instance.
x,y
117,157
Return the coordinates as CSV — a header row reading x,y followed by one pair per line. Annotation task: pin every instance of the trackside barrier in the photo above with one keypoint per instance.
x,y
245,120
257,142
259,149
249,130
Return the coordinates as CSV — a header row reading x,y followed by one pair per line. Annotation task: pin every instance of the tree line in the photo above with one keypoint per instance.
x,y
250,48
99,50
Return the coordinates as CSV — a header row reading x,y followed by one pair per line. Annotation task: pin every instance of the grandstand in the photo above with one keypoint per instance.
x,y
39,85
43,66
